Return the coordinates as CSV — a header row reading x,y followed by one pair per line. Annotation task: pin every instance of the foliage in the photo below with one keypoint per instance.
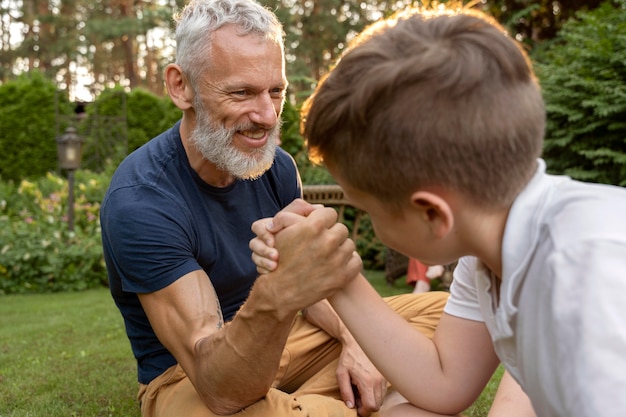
x,y
368,245
583,76
38,253
27,126
130,42
293,142
317,32
535,21
113,40
147,115
118,122
151,113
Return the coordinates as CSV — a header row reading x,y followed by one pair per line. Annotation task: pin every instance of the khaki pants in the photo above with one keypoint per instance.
x,y
305,383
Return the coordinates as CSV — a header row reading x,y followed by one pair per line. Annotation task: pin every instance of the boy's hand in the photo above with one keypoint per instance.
x,y
264,255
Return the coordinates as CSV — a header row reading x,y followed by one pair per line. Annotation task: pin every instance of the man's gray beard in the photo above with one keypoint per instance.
x,y
215,144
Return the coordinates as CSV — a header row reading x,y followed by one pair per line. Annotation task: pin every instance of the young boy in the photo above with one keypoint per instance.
x,y
433,123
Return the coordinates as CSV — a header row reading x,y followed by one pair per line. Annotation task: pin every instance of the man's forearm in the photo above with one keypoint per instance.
x,y
238,364
322,315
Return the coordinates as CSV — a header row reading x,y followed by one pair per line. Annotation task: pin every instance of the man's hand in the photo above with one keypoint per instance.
x,y
360,383
316,259
264,255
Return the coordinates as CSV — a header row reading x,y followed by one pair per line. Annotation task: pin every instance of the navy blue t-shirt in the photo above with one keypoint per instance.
x,y
160,221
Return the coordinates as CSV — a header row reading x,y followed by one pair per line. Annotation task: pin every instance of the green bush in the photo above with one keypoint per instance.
x,y
27,126
146,114
118,122
583,76
38,253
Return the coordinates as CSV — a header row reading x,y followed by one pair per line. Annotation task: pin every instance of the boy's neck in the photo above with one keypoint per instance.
x,y
482,233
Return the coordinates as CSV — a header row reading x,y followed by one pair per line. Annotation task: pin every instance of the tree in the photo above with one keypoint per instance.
x,y
115,42
533,21
583,76
119,42
111,41
318,30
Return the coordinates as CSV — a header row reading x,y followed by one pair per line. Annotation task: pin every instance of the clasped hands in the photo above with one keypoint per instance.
x,y
305,245
314,249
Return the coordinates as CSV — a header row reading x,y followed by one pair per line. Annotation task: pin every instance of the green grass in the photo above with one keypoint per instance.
x,y
66,355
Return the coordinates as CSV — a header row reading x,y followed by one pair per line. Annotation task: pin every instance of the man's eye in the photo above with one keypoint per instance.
x,y
277,92
241,93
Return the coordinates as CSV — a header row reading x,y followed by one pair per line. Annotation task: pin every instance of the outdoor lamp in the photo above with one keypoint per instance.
x,y
69,152
69,149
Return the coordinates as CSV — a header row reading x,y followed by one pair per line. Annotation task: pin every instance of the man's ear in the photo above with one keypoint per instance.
x,y
435,211
178,87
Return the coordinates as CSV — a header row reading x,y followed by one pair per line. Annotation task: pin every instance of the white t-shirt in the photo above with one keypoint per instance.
x,y
559,323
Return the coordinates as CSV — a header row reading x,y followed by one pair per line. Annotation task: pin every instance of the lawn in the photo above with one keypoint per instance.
x,y
66,355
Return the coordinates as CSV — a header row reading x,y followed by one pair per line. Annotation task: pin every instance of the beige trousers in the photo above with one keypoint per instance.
x,y
305,383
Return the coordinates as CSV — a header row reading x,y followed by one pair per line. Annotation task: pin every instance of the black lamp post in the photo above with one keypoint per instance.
x,y
69,153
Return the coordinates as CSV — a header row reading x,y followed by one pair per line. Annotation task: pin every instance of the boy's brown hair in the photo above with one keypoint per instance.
x,y
430,99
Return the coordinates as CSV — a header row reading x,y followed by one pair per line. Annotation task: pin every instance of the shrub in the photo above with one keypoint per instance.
x,y
38,252
118,122
583,76
28,106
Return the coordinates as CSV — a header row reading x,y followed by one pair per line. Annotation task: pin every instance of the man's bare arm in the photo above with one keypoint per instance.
x,y
233,366
219,359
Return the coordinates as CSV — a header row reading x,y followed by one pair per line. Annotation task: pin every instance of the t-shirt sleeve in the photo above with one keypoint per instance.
x,y
463,300
288,183
147,249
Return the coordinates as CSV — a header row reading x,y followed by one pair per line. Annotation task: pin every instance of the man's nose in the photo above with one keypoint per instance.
x,y
265,112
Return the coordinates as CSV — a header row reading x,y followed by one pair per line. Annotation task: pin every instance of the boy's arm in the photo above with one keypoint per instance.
x,y
510,400
444,375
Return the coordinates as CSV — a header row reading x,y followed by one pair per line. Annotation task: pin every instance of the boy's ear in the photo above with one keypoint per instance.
x,y
435,211
178,87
